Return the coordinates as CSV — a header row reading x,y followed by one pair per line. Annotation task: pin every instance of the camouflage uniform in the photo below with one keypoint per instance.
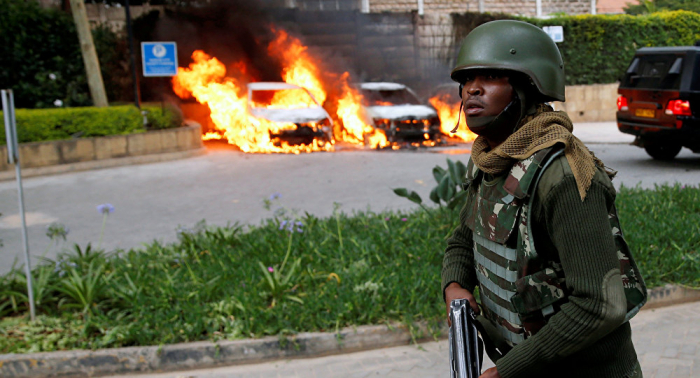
x,y
522,287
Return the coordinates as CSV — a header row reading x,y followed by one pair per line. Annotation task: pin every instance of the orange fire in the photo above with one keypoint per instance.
x,y
207,82
448,112
299,67
355,129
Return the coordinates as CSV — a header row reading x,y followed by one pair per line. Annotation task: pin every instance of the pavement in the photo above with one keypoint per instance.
x,y
666,340
225,186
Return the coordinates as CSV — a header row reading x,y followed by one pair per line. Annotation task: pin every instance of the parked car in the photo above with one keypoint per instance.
x,y
395,109
659,100
299,115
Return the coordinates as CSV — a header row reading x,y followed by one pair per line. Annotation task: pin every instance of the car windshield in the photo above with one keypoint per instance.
x,y
388,97
292,98
654,72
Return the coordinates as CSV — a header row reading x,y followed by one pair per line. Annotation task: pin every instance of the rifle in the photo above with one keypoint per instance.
x,y
465,356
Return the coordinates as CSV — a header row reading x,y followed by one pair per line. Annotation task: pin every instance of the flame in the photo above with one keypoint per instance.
x,y
212,136
206,80
299,67
355,129
448,112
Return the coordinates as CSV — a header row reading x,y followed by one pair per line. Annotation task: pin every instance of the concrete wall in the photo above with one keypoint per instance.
x,y
43,154
590,103
519,7
115,17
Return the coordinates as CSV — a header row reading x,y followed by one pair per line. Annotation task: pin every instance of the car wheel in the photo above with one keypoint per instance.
x,y
663,151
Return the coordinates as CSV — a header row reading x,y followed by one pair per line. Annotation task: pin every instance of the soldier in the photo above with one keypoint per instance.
x,y
539,233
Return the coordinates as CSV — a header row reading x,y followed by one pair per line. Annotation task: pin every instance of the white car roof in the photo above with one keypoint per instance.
x,y
271,85
382,86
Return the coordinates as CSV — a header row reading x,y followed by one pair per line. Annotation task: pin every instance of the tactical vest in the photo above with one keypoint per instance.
x,y
520,290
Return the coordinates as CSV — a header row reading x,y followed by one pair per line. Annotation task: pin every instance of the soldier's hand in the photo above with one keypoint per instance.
x,y
490,373
456,291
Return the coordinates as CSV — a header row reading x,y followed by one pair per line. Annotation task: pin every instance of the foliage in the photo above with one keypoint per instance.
x,y
448,189
113,54
41,59
210,284
36,125
597,49
40,55
162,116
220,283
651,6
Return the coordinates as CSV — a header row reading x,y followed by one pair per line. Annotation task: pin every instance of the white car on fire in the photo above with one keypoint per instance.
x,y
299,117
395,109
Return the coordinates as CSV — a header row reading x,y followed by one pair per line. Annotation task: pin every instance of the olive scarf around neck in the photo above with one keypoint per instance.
x,y
542,129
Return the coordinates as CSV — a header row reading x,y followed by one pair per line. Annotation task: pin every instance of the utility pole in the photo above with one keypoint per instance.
x,y
87,47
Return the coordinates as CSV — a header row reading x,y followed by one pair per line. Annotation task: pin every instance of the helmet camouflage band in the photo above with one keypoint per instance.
x,y
514,46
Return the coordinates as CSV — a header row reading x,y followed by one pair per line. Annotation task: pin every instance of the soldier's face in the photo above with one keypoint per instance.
x,y
485,93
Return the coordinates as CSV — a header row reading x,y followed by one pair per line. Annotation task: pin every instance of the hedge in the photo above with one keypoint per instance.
x,y
597,49
36,125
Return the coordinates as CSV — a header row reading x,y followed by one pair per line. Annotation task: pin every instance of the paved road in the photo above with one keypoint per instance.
x,y
225,186
666,341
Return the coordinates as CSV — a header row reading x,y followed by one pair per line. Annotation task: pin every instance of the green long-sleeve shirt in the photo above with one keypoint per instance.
x,y
587,337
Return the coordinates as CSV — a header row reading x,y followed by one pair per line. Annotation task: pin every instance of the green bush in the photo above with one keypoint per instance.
x,y
37,125
163,116
41,59
651,6
597,49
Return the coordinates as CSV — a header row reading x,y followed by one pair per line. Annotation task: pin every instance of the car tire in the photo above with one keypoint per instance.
x,y
666,151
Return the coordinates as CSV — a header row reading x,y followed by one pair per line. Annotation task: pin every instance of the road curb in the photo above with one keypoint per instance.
x,y
206,354
670,295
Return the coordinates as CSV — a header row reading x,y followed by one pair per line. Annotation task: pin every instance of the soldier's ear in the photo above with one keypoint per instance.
x,y
461,88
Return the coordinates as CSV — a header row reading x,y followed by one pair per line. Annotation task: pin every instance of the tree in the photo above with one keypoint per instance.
x,y
40,57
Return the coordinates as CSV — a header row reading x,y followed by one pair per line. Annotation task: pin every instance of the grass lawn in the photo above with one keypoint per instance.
x,y
292,273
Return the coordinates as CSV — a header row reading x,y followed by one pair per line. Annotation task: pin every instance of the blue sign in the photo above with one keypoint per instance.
x,y
159,58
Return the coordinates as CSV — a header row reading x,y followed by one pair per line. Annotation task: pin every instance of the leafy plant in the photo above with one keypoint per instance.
x,y
448,191
279,283
85,289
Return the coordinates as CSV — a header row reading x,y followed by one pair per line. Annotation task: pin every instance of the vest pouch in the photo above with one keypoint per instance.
x,y
536,293
493,219
632,281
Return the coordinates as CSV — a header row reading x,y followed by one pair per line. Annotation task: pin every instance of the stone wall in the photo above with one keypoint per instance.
x,y
60,152
590,103
518,7
435,46
114,17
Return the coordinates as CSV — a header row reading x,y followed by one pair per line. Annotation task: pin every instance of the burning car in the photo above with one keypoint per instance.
x,y
395,109
290,113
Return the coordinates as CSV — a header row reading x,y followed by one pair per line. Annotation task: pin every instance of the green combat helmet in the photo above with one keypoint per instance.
x,y
514,46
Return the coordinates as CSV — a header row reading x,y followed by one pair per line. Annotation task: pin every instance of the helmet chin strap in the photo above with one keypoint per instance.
x,y
459,116
513,112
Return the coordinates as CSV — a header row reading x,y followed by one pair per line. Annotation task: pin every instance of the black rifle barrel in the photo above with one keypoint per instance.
x,y
464,341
